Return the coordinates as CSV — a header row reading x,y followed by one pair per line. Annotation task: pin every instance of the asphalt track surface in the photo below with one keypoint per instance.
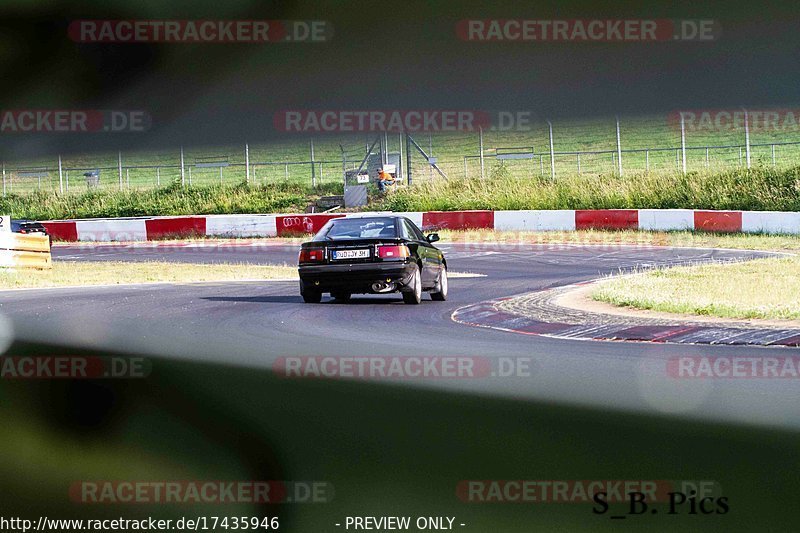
x,y
253,323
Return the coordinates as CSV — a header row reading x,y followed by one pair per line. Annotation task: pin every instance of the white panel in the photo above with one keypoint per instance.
x,y
111,229
666,219
770,222
241,225
415,217
535,220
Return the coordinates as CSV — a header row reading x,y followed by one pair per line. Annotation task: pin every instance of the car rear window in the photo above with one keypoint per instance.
x,y
358,228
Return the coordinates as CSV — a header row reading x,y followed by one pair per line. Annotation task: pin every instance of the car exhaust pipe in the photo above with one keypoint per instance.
x,y
382,286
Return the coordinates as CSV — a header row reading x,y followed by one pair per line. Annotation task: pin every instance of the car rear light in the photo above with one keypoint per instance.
x,y
311,255
393,252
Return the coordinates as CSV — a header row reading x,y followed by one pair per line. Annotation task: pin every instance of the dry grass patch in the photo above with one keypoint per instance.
x,y
761,288
74,273
689,239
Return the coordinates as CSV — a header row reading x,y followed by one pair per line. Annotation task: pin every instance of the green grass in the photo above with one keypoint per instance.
x,y
759,189
761,288
170,200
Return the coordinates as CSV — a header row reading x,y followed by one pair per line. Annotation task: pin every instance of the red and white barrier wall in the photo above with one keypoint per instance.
x,y
152,228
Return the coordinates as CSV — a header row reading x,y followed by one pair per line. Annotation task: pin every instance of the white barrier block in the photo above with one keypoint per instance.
x,y
666,219
535,220
241,226
770,222
111,229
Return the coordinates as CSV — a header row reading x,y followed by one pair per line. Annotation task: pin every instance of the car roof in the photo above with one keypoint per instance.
x,y
373,215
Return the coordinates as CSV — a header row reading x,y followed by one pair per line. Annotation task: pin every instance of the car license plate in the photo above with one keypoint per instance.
x,y
350,254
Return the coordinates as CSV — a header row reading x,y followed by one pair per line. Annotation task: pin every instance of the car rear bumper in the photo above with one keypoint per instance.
x,y
357,278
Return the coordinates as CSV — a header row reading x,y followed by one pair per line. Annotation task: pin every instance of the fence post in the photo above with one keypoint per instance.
x,y
647,160
480,133
60,175
190,175
344,166
183,173
578,156
128,178
552,155
747,136
247,162
619,149
408,158
66,176
158,176
119,168
430,154
683,144
313,166
400,161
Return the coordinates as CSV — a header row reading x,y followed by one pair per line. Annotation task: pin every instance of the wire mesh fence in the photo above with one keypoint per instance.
x,y
680,142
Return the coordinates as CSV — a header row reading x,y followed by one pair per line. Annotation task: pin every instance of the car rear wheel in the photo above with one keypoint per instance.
x,y
414,294
441,287
341,296
311,296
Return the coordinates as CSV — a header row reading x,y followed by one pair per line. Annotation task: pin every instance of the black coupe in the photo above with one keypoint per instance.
x,y
372,255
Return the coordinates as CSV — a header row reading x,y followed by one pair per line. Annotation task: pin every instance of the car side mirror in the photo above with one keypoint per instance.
x,y
433,237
